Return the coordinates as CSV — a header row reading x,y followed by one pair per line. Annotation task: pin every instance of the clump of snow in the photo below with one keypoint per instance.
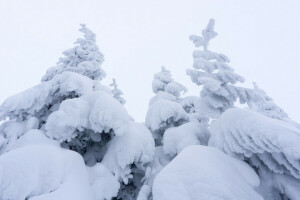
x,y
162,113
205,173
11,130
162,95
36,100
176,89
135,145
32,137
85,58
177,138
97,111
102,181
272,142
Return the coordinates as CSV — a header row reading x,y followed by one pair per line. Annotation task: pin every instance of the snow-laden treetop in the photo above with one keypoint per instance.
x,y
85,58
219,80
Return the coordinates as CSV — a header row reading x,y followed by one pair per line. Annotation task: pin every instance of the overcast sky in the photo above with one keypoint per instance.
x,y
261,38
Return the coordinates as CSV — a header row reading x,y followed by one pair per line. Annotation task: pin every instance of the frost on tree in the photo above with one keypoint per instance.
x,y
271,146
211,70
85,58
117,92
71,107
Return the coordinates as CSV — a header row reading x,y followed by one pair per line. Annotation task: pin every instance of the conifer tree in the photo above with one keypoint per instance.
x,y
85,58
72,109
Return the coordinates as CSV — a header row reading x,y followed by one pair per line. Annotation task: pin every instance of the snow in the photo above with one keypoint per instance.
x,y
135,145
161,79
11,130
85,58
103,183
175,139
159,161
176,89
163,112
117,92
162,95
43,172
32,137
205,173
97,111
32,101
272,142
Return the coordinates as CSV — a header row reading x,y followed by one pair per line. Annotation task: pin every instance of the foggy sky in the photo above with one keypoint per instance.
x,y
261,38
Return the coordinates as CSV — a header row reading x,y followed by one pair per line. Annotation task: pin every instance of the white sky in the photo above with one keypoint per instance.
x,y
137,37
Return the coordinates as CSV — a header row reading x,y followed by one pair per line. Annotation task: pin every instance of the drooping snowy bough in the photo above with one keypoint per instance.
x,y
269,145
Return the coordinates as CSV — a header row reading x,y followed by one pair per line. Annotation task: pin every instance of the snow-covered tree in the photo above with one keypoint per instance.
x,y
165,109
173,123
75,111
117,92
219,92
262,136
212,71
85,58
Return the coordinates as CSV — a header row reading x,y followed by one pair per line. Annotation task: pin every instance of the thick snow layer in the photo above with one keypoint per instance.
x,y
177,138
162,95
97,111
264,140
43,172
102,181
135,145
32,137
11,130
205,173
163,112
45,94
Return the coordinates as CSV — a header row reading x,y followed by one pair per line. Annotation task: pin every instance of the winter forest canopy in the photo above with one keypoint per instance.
x,y
70,136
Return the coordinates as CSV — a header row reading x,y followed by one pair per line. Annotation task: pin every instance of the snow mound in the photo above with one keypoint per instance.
x,y
177,138
264,140
34,100
135,145
205,173
97,111
43,172
164,112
